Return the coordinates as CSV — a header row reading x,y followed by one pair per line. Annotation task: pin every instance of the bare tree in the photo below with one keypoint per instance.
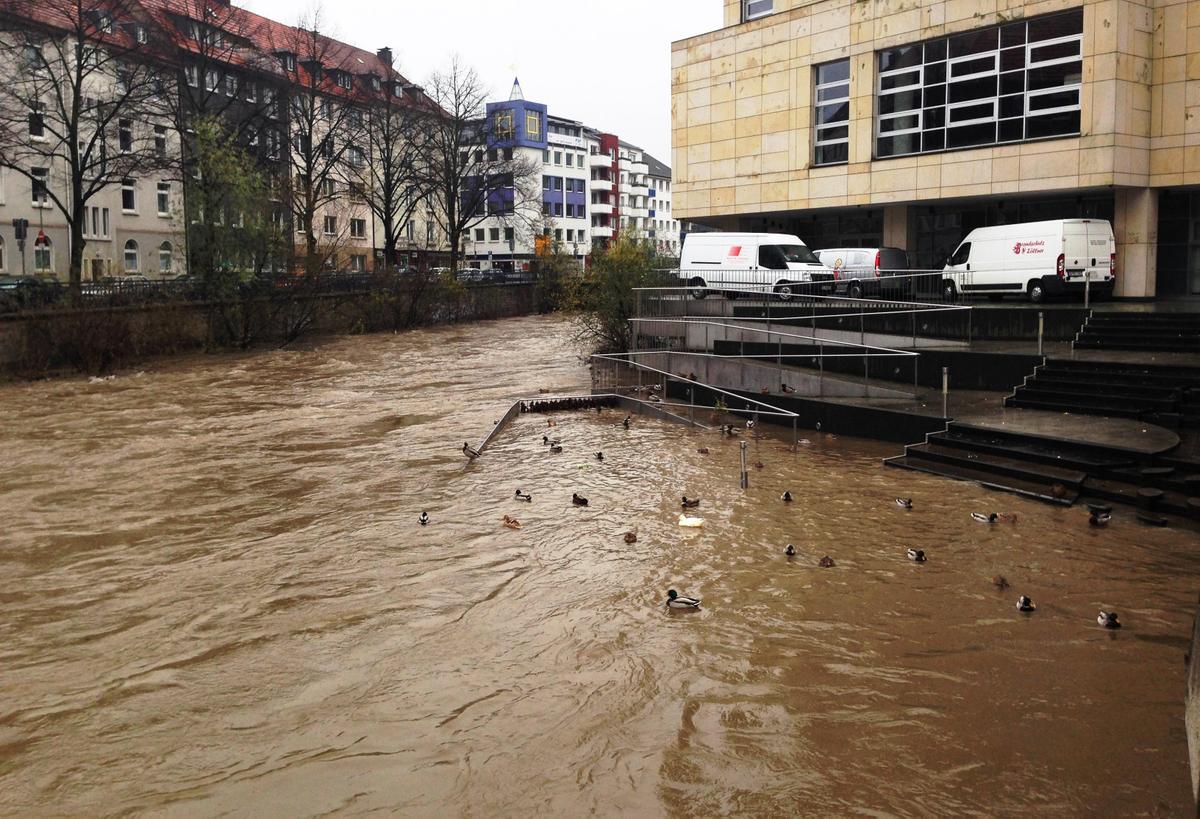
x,y
327,126
394,183
470,173
82,94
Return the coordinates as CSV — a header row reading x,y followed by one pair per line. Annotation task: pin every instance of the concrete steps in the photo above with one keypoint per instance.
x,y
1158,332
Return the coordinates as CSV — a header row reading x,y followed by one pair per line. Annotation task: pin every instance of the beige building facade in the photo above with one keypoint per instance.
x,y
911,122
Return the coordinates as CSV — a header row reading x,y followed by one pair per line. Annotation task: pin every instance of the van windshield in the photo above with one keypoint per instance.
x,y
777,257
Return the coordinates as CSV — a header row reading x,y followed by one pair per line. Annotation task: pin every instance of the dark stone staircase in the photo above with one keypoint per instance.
x,y
1056,471
1167,395
1158,332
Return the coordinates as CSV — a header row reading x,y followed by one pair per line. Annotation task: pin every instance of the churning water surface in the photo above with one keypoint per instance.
x,y
217,599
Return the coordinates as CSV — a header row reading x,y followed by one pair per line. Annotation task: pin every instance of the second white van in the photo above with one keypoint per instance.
x,y
1034,259
766,262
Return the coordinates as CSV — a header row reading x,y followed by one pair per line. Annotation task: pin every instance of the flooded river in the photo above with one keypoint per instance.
x,y
217,599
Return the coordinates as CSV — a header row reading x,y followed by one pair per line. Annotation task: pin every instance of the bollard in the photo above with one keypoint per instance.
x,y
1041,329
1087,289
745,473
692,405
945,392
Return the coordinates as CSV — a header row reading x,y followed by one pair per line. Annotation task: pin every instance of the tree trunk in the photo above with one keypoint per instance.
x,y
76,272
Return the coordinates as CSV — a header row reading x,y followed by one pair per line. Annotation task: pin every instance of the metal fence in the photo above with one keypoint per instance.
x,y
28,294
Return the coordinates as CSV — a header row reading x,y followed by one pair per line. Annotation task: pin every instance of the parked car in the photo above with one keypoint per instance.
x,y
768,262
860,272
1034,259
26,291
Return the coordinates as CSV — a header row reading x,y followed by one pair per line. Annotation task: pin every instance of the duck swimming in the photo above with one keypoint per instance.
x,y
916,555
555,449
1025,604
703,450
424,519
625,423
511,523
904,503
630,537
826,562
991,517
1109,619
674,601
1099,518
689,522
471,453
578,501
690,504
790,551
1000,581
599,456
786,497
521,496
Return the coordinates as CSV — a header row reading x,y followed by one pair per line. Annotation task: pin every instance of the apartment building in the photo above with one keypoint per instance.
x,y
592,186
295,99
861,122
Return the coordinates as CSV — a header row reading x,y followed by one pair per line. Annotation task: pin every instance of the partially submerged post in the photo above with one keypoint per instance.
x,y
945,392
745,473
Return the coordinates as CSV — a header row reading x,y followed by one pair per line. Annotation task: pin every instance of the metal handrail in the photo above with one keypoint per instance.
x,y
771,332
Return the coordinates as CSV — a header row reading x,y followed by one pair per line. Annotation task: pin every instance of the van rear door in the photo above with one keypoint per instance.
x,y
1075,249
1102,248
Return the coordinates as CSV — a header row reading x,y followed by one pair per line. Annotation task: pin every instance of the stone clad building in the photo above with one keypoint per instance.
x,y
911,122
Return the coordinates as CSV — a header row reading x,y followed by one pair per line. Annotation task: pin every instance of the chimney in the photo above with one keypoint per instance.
x,y
385,56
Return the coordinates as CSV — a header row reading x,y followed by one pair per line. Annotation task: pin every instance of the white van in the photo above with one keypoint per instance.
x,y
1035,259
769,262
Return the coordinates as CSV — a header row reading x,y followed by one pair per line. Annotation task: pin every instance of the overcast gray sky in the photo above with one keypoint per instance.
x,y
605,62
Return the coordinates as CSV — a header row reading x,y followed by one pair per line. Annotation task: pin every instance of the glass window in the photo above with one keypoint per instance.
x,y
753,9
831,113
43,256
1000,84
164,198
128,195
131,256
533,125
503,125
164,257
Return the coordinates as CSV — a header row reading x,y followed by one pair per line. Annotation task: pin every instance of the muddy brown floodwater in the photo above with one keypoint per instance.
x,y
217,599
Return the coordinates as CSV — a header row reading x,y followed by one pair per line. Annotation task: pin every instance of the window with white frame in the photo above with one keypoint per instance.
x,y
164,257
212,79
192,73
358,228
128,196
131,256
95,223
39,187
831,113
1009,83
160,141
330,225
164,198
230,85
43,256
358,263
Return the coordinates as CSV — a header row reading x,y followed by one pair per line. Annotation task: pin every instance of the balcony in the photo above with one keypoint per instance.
x,y
600,207
600,161
602,232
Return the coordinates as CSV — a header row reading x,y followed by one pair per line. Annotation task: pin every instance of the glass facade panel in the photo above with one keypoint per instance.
x,y
831,112
1001,84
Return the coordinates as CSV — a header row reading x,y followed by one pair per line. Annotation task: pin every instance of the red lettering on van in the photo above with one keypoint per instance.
x,y
736,250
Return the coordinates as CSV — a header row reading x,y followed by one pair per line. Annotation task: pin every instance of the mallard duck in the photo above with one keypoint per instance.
x,y
555,449
759,465
550,422
991,517
577,500
511,523
703,450
1109,619
750,424
690,503
424,519
786,389
790,551
1058,491
826,562
630,537
904,503
786,497
599,456
1099,518
471,453
625,423
999,581
521,496
916,555
674,601
1025,604
690,523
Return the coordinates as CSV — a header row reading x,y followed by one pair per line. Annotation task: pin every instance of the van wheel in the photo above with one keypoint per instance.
x,y
699,291
784,291
855,291
949,291
1037,294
